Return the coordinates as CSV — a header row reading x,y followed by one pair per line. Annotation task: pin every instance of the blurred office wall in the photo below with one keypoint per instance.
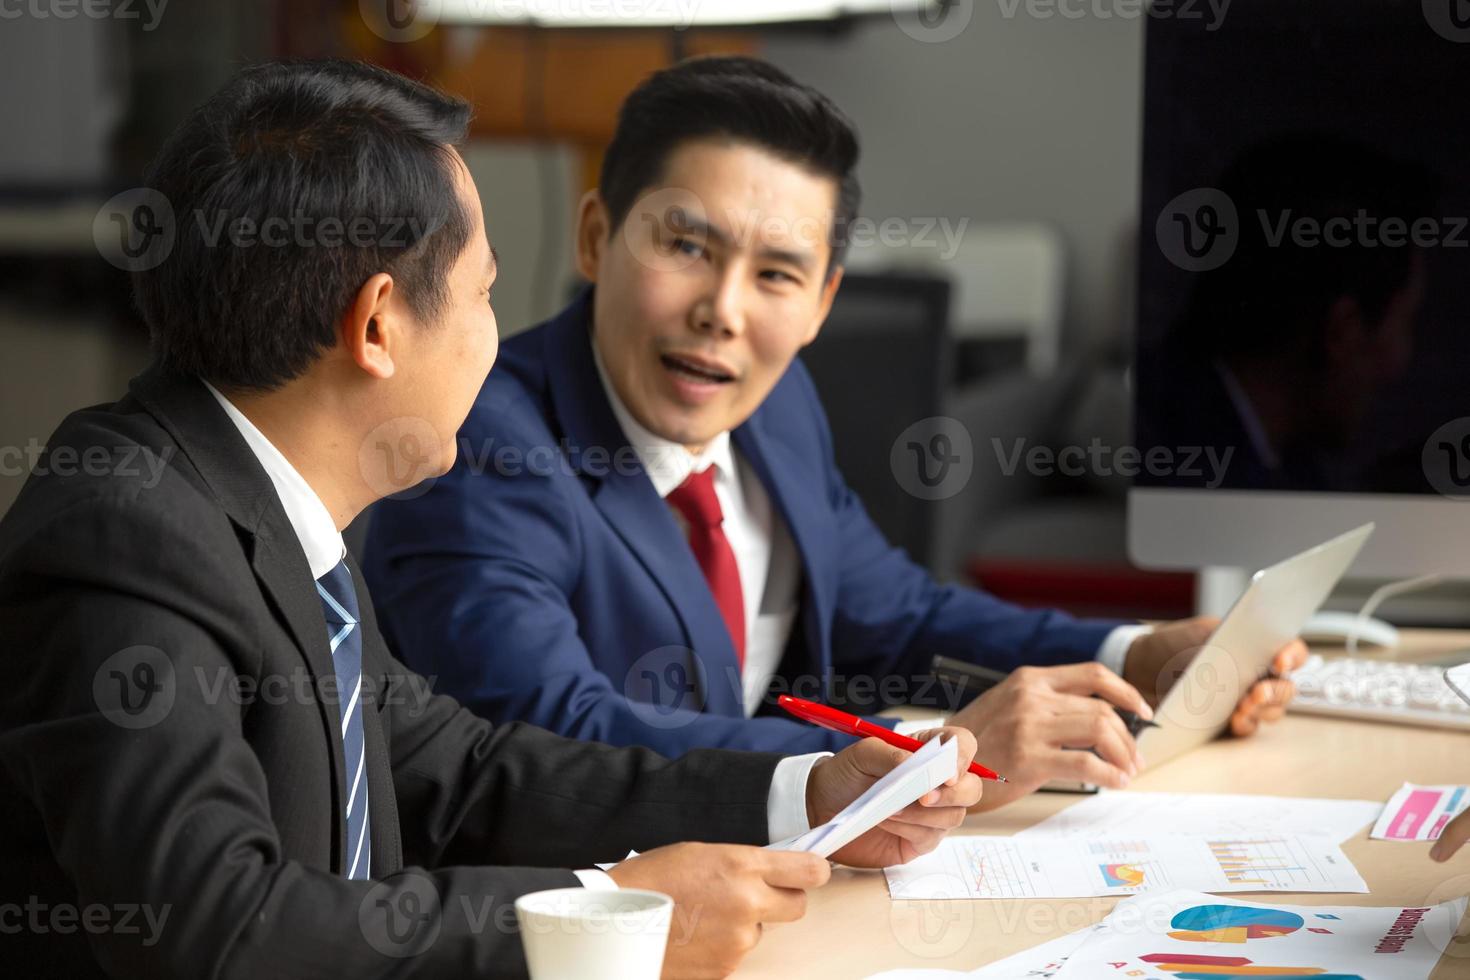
x,y
1016,118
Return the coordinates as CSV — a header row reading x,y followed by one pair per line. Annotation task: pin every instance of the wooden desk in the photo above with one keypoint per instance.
x,y
852,929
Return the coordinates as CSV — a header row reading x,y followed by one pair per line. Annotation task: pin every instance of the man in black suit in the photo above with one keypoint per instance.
x,y
210,765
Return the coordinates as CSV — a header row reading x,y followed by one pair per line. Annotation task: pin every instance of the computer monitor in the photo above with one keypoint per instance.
x,y
879,365
1303,317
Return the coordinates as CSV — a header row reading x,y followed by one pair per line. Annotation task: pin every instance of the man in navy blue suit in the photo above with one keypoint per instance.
x,y
646,536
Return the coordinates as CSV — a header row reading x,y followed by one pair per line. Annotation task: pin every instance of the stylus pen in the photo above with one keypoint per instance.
x,y
983,678
841,721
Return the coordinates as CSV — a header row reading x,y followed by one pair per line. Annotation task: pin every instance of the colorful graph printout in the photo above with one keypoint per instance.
x,y
1032,867
1420,812
1190,936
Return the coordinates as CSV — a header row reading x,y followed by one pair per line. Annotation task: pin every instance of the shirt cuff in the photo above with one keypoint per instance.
x,y
1114,650
912,728
786,806
596,880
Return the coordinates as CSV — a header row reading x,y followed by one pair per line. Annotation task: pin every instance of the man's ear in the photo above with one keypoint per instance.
x,y
829,293
593,231
371,331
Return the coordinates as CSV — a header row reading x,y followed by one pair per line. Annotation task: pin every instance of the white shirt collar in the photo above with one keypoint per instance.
x,y
667,463
309,517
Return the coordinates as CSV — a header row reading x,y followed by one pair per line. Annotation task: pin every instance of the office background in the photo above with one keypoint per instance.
x,y
1017,124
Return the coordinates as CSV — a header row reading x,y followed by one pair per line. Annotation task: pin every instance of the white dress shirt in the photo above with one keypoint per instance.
x,y
324,548
765,553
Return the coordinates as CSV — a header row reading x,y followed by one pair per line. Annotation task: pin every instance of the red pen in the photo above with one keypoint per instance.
x,y
841,721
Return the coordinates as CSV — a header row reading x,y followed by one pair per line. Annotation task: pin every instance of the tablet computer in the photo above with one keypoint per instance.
x,y
1201,693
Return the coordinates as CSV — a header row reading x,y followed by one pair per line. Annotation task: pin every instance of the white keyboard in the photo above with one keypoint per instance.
x,y
1375,690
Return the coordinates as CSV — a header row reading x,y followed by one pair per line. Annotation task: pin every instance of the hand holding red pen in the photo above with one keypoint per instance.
x,y
835,782
916,829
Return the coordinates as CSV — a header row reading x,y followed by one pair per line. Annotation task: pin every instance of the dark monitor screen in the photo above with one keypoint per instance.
x,y
1304,260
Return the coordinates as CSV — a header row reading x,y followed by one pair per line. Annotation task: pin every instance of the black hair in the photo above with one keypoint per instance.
x,y
1273,294
741,99
289,188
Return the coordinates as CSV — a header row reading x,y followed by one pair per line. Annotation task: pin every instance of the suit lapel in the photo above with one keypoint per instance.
x,y
625,497
809,520
204,433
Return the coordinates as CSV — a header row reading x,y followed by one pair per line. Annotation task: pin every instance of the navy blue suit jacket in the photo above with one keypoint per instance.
x,y
544,579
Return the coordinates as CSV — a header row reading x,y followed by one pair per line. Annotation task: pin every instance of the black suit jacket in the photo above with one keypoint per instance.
x,y
171,775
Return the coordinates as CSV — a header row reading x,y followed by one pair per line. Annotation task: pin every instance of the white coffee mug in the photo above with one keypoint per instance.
x,y
594,934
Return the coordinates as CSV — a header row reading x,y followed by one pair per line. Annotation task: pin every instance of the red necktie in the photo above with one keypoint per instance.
x,y
695,499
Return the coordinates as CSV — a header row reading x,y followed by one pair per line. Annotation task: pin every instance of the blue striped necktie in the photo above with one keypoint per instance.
x,y
339,602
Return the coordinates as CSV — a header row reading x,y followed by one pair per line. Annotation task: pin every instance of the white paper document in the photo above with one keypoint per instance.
x,y
1126,813
1036,963
1170,935
1073,867
926,769
1420,812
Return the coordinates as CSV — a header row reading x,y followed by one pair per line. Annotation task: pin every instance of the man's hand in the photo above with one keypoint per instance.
x,y
722,894
1455,833
1029,726
1155,659
916,829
